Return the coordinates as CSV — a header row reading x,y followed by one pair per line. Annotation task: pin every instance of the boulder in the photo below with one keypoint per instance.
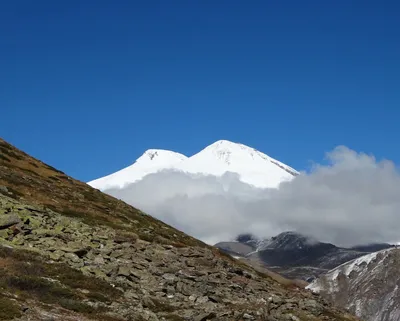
x,y
124,271
98,260
72,257
8,220
56,255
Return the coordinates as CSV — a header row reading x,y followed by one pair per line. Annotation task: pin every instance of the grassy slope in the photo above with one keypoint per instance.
x,y
44,185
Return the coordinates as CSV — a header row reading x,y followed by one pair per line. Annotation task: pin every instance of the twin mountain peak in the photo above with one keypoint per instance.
x,y
252,166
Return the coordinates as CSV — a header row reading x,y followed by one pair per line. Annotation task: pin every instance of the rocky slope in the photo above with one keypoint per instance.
x,y
70,252
295,255
367,286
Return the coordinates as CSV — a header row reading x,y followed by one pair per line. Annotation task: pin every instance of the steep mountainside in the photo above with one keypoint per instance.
x,y
368,286
295,255
223,156
70,252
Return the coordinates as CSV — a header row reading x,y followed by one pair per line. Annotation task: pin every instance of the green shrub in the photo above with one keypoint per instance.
x,y
4,158
9,309
47,291
77,306
5,150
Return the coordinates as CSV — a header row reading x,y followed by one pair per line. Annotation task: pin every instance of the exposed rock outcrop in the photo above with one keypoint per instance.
x,y
368,286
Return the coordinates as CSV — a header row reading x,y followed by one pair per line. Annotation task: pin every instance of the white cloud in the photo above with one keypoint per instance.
x,y
354,199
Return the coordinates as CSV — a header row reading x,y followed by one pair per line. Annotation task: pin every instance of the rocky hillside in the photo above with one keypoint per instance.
x,y
70,252
368,286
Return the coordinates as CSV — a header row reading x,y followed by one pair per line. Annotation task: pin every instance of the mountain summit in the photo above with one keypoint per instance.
x,y
254,167
152,161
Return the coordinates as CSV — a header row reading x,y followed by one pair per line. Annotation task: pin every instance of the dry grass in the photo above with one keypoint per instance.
x,y
262,271
44,185
287,283
339,316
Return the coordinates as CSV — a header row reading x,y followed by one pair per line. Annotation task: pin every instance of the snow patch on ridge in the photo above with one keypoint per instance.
x,y
357,265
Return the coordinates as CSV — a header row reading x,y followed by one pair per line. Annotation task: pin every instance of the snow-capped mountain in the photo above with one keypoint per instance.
x,y
152,161
287,241
368,286
252,166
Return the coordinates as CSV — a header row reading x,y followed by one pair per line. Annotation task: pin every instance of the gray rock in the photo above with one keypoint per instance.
x,y
148,302
202,299
311,305
99,260
136,274
169,277
56,255
205,316
214,299
72,257
184,289
170,290
130,294
8,220
124,271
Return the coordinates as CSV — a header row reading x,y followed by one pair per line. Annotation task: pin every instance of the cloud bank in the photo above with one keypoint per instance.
x,y
352,200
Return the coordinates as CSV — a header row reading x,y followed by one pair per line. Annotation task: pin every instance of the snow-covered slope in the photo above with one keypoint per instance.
x,y
253,167
151,161
368,286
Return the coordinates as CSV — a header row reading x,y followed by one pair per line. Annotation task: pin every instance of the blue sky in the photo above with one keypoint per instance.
x,y
87,86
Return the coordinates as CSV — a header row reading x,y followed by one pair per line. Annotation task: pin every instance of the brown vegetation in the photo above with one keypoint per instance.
x,y
42,184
